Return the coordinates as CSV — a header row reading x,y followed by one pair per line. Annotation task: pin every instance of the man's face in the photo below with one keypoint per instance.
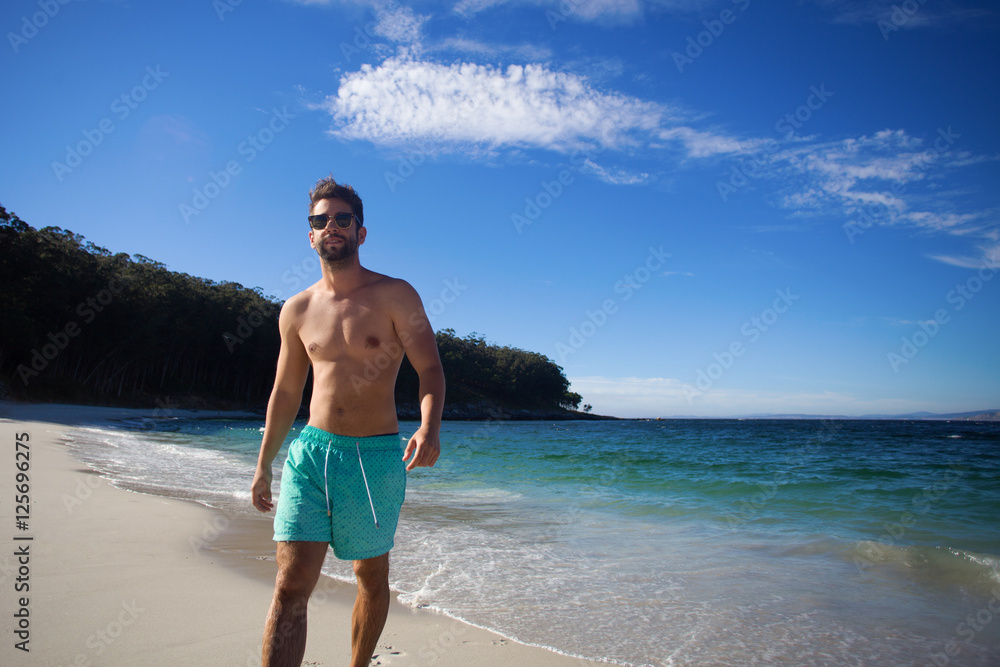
x,y
334,244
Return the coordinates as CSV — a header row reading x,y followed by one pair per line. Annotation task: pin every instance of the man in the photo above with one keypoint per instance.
x,y
343,481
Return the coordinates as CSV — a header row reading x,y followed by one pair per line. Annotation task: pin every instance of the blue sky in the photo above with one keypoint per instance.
x,y
694,207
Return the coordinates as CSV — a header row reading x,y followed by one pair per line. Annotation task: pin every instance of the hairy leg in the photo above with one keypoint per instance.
x,y
370,607
299,566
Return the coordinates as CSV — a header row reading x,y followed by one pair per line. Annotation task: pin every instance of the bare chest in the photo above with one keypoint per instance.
x,y
335,331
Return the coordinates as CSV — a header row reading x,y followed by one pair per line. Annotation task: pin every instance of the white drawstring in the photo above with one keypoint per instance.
x,y
365,477
326,476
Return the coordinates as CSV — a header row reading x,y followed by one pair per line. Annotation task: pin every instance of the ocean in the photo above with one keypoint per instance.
x,y
674,542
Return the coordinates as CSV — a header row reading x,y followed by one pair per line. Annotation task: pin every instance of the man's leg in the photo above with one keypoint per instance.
x,y
370,607
299,566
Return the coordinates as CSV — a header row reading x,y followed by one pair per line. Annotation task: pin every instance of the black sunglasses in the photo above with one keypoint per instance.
x,y
342,220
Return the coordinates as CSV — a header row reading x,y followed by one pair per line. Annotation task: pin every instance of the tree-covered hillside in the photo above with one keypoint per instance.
x,y
83,324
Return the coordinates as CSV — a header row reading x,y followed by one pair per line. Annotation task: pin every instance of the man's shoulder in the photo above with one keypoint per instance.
x,y
297,300
388,284
395,294
297,304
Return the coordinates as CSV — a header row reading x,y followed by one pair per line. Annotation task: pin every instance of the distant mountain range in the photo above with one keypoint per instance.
x,y
981,415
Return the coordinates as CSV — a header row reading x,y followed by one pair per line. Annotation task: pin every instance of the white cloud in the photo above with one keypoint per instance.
x,y
481,109
614,176
454,106
700,144
473,7
583,9
988,259
404,100
953,223
901,15
596,9
593,10
873,177
398,24
524,51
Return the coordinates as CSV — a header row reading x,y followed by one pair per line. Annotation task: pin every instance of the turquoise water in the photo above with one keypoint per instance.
x,y
676,542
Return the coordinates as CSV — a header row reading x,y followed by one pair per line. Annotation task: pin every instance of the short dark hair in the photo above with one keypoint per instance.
x,y
327,188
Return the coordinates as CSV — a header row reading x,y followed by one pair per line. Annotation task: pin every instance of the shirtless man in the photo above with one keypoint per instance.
x,y
343,481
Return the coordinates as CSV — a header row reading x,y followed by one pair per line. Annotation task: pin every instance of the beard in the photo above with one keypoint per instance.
x,y
334,256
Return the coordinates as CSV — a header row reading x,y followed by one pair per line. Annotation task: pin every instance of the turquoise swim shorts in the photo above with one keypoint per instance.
x,y
341,490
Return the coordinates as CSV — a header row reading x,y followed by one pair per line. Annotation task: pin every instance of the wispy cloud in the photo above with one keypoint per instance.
x,y
581,9
393,21
614,176
700,143
397,23
484,110
878,178
593,10
456,105
904,16
451,108
525,52
988,258
472,7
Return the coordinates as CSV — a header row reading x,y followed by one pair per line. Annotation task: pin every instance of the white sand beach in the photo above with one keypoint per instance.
x,y
105,576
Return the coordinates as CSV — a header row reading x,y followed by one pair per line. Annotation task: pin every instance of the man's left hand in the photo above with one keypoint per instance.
x,y
424,447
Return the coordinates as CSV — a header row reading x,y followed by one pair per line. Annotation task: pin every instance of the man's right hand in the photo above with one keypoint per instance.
x,y
260,490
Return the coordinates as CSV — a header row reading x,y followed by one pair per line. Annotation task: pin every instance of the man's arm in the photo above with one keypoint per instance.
x,y
420,345
283,406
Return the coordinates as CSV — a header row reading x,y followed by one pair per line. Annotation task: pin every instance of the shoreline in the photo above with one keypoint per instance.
x,y
121,577
461,412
